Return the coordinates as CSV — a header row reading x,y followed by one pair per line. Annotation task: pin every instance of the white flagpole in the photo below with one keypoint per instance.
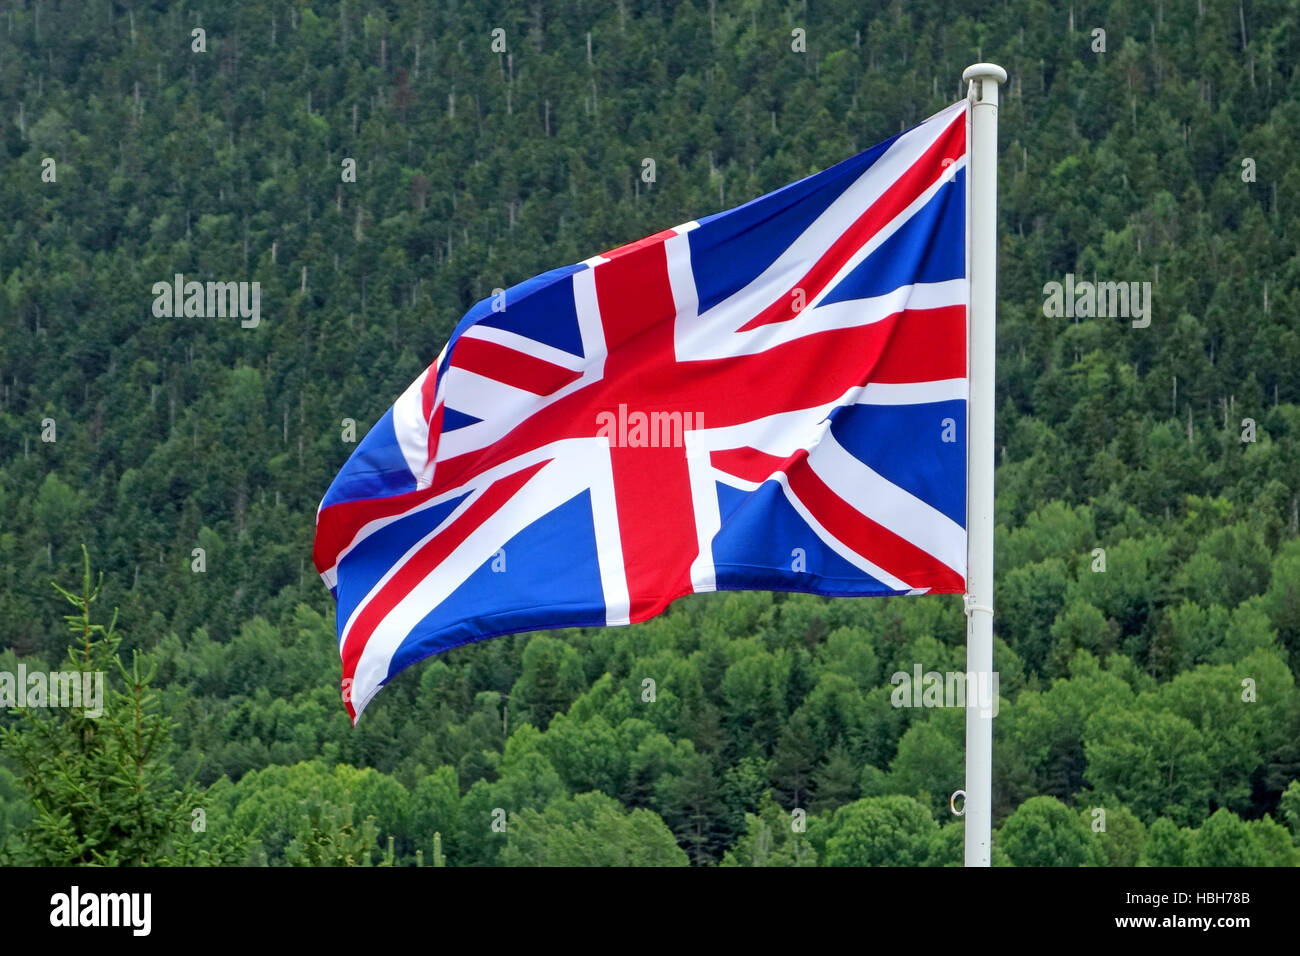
x,y
982,153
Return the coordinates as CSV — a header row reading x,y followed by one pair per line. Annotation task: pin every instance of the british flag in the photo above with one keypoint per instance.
x,y
770,398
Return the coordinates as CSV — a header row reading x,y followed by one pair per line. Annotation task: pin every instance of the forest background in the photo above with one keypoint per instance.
x,y
1150,141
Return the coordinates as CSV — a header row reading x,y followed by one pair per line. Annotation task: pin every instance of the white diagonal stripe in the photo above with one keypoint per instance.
x,y
410,427
552,486
697,336
835,544
889,505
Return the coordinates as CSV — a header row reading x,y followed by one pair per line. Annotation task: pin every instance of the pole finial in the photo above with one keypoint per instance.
x,y
983,71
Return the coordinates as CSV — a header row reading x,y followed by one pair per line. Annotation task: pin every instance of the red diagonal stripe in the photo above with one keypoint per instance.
x,y
951,144
510,366
428,557
875,542
435,432
429,391
748,463
338,524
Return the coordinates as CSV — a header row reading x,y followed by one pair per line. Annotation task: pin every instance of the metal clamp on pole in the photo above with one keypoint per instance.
x,y
971,607
952,803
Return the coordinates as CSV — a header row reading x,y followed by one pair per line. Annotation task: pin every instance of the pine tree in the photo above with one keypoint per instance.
x,y
101,787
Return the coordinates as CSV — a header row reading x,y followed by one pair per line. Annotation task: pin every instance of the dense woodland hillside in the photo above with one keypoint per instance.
x,y
1161,690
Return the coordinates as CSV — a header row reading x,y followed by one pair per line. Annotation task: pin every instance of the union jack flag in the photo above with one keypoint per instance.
x,y
772,398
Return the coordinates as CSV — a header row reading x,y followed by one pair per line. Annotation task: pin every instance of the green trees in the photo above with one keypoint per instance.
x,y
771,837
590,829
1045,832
1193,739
97,776
1226,840
880,831
435,809
930,763
1167,845
1119,833
1154,761
620,776
551,680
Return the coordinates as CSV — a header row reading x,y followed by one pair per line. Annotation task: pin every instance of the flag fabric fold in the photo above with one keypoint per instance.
x,y
773,397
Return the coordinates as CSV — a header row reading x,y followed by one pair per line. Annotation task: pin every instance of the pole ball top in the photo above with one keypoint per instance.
x,y
985,71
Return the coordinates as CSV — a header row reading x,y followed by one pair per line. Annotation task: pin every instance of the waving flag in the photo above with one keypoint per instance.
x,y
771,398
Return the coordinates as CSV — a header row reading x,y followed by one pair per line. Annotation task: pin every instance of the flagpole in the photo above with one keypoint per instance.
x,y
984,80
